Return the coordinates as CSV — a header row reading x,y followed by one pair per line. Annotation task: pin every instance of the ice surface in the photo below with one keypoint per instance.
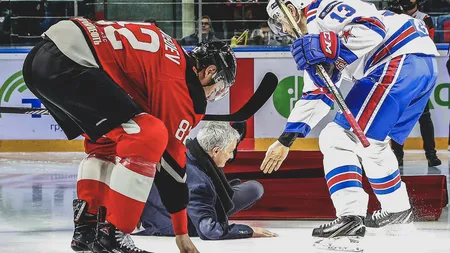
x,y
36,191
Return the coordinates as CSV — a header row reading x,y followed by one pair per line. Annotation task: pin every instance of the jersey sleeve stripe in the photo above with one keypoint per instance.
x,y
311,12
346,54
327,99
403,35
372,23
310,19
170,166
297,127
314,5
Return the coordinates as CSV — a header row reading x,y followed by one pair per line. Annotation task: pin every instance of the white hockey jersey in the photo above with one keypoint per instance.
x,y
368,37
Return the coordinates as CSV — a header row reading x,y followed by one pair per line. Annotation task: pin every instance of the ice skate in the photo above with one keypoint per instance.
x,y
85,225
381,218
342,234
109,239
400,223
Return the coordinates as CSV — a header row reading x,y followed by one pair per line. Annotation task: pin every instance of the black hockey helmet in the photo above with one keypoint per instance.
x,y
407,4
221,55
394,6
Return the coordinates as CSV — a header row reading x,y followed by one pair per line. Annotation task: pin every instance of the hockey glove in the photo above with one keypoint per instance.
x,y
313,49
333,73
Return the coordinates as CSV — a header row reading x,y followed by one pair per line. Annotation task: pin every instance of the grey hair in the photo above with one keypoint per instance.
x,y
216,134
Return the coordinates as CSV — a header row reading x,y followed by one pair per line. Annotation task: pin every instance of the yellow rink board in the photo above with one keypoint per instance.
x,y
312,144
260,144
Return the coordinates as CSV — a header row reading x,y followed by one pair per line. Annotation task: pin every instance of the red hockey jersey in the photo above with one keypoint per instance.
x,y
156,72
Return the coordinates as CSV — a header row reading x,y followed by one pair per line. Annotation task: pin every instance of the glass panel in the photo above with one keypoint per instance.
x,y
240,22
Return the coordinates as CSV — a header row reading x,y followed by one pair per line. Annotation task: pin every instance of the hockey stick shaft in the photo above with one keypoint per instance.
x,y
262,94
259,98
328,82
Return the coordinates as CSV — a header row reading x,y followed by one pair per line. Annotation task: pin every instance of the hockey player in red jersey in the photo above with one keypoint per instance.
x,y
134,94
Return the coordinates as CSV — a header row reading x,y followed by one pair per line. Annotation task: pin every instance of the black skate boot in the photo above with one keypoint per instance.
x,y
111,240
433,160
381,218
343,226
85,225
342,234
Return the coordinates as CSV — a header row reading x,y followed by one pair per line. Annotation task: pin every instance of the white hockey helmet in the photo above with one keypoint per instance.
x,y
275,14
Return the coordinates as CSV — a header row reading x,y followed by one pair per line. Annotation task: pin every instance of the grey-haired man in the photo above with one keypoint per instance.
x,y
212,199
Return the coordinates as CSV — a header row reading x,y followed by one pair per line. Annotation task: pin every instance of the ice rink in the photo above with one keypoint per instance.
x,y
36,192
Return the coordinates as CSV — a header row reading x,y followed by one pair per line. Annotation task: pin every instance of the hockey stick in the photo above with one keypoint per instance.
x,y
262,94
330,85
24,110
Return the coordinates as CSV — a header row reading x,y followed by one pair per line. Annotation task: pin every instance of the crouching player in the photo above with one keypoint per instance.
x,y
391,60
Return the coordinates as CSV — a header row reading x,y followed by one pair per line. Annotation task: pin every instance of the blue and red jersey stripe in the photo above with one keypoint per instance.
x,y
321,94
347,55
311,15
401,37
378,95
372,23
311,10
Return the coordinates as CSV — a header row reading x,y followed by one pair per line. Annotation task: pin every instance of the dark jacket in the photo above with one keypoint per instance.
x,y
207,218
192,40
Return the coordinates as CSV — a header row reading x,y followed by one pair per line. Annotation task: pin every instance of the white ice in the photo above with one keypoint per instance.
x,y
36,191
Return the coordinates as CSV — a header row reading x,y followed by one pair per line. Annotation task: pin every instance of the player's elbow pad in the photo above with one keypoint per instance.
x,y
174,195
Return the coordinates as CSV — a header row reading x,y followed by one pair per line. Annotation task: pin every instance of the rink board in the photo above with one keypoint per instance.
x,y
299,191
41,133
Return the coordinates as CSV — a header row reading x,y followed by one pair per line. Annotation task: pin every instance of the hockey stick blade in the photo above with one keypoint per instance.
x,y
24,110
262,94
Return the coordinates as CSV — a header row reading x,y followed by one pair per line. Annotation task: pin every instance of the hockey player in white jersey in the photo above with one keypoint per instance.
x,y
391,60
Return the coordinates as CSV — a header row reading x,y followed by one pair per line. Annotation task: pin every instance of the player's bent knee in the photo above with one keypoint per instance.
x,y
145,136
376,150
334,137
95,167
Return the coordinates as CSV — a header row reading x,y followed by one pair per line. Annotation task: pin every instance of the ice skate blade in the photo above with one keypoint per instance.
x,y
341,243
82,250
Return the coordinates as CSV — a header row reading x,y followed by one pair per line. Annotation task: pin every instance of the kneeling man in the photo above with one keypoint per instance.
x,y
212,199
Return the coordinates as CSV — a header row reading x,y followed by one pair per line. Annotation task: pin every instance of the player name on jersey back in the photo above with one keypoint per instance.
x,y
172,52
92,29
